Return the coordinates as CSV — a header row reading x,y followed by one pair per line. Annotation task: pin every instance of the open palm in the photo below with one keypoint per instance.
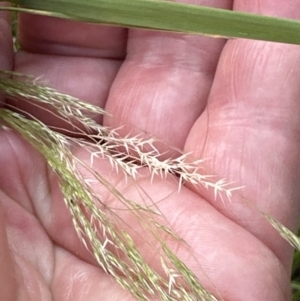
x,y
235,103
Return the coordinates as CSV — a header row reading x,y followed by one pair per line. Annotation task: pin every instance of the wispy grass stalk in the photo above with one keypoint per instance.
x,y
98,229
136,276
55,148
138,152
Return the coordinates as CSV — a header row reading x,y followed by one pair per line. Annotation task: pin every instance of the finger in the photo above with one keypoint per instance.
x,y
163,85
75,58
253,133
6,47
39,34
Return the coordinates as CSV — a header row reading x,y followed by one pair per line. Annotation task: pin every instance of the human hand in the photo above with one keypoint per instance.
x,y
237,106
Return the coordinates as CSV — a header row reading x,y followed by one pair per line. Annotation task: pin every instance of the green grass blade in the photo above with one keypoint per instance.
x,y
171,16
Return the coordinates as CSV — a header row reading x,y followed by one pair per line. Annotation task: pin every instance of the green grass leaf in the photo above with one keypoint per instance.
x,y
171,16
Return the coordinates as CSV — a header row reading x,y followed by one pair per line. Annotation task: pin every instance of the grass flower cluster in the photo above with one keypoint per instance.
x,y
99,229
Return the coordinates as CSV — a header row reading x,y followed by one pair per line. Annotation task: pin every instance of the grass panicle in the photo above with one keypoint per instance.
x,y
99,229
133,273
103,141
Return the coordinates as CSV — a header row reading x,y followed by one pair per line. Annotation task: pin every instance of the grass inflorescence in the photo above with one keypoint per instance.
x,y
97,230
99,227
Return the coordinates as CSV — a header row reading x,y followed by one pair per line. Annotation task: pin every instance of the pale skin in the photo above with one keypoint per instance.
x,y
173,87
